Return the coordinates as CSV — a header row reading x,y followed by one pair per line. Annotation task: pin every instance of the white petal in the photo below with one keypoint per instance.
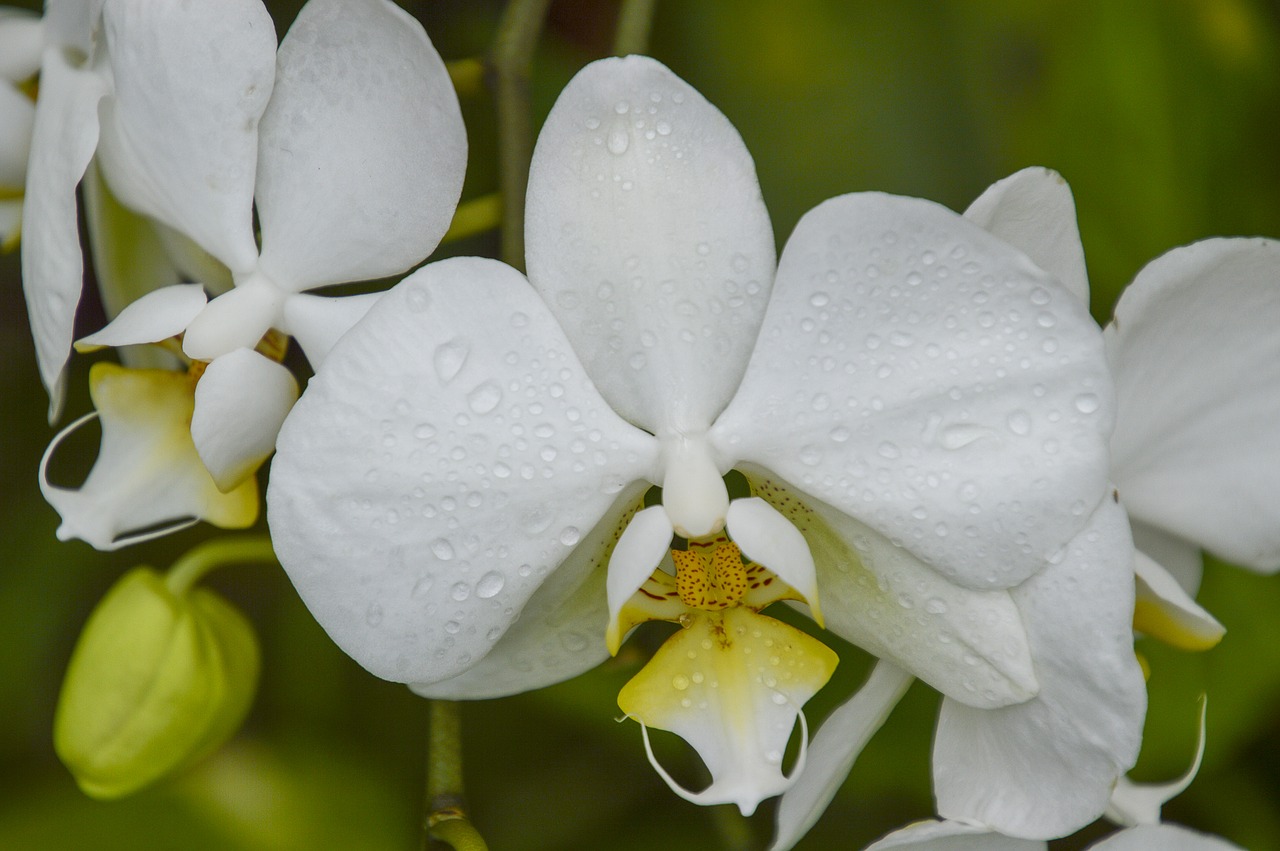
x,y
769,539
1197,364
1140,803
1180,559
640,548
648,237
1165,611
1033,211
920,375
62,142
21,42
17,116
835,748
1046,767
559,633
235,320
363,147
732,685
450,434
971,645
158,315
147,473
1163,837
693,489
180,137
317,322
72,23
952,836
241,400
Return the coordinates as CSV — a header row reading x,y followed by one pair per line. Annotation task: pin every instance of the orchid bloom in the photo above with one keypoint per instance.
x,y
21,40
355,163
1046,766
919,412
959,836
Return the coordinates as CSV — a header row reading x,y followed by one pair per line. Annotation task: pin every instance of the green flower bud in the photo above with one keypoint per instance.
x,y
157,681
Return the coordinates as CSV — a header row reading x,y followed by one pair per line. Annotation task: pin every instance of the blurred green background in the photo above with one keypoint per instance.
x,y
1162,115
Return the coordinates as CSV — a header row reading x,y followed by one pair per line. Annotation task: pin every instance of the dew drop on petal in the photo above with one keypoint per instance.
x,y
679,682
570,535
484,398
1019,422
460,591
449,358
574,642
442,549
619,141
373,615
490,584
1087,403
423,586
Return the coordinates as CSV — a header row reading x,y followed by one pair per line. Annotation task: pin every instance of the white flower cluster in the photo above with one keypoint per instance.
x,y
906,424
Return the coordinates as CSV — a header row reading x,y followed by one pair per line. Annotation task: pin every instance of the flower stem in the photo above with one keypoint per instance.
x,y
511,59
204,557
446,817
635,19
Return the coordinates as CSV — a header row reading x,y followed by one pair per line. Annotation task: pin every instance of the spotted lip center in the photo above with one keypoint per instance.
x,y
711,574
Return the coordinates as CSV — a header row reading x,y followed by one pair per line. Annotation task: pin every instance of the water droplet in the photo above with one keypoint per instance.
x,y
905,601
962,434
779,698
901,339
442,549
593,123
460,591
839,434
619,140
537,519
423,586
888,450
450,357
819,299
1046,319
1019,422
484,398
574,642
490,584
935,606
1087,403
519,320
621,107
810,455
679,682
570,535
373,615
638,361
1040,296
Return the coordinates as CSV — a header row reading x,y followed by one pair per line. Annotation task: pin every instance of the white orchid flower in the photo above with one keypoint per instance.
x,y
919,411
958,836
356,163
1045,767
21,40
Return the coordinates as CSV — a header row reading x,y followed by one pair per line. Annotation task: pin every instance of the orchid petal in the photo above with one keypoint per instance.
x,y
363,147
147,472
63,139
1033,211
768,538
558,633
181,146
156,316
920,375
1166,612
1133,804
1197,364
970,645
642,545
835,748
72,23
731,684
447,458
317,322
1163,837
1046,767
240,402
1180,559
235,320
952,836
17,116
647,235
130,261
21,42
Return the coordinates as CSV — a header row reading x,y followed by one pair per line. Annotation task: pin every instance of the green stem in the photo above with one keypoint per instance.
x,y
475,216
511,60
201,559
446,817
635,20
